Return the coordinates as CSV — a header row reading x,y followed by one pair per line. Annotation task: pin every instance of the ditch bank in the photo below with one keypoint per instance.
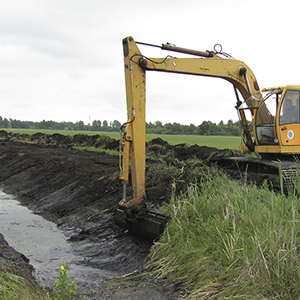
x,y
78,191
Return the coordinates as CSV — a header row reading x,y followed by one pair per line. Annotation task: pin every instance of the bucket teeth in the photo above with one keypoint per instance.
x,y
149,224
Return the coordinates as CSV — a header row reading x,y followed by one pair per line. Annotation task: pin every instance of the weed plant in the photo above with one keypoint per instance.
x,y
65,287
16,287
228,239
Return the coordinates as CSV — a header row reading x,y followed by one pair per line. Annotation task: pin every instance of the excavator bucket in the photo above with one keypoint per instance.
x,y
147,224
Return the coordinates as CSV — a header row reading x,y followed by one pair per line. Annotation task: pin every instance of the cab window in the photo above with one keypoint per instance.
x,y
265,130
289,111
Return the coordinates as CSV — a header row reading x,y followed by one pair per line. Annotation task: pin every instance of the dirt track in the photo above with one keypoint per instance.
x,y
69,186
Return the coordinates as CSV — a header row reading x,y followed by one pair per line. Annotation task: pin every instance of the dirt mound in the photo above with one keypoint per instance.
x,y
156,146
64,141
83,169
183,152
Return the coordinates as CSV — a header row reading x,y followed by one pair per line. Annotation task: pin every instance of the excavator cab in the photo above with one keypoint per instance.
x,y
289,120
277,119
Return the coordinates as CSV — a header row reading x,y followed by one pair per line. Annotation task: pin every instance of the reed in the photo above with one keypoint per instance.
x,y
228,239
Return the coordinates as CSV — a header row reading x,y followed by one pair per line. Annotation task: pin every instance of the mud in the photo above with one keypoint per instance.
x,y
78,190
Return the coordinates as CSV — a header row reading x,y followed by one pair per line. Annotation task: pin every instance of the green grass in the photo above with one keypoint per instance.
x,y
230,240
108,151
16,287
220,142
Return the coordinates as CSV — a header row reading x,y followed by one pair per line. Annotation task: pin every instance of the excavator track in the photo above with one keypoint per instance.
x,y
280,174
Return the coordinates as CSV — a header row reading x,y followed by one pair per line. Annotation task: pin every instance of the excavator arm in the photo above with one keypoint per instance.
x,y
133,138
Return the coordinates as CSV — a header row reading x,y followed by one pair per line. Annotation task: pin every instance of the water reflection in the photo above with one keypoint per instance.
x,y
45,245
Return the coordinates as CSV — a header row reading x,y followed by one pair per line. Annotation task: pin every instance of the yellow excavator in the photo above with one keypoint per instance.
x,y
274,117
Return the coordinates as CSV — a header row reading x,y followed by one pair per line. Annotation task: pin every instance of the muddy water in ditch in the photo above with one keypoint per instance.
x,y
46,246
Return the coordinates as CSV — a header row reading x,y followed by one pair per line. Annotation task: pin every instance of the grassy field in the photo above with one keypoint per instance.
x,y
220,142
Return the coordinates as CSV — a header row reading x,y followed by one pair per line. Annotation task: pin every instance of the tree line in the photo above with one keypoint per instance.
x,y
205,128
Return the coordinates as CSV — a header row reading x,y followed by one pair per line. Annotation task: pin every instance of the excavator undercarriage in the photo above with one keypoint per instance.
x,y
278,174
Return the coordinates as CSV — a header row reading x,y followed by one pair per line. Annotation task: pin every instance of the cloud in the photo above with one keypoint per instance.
x,y
63,59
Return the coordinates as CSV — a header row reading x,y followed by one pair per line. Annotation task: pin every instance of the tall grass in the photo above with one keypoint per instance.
x,y
16,287
227,239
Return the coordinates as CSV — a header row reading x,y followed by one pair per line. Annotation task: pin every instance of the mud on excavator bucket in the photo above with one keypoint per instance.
x,y
145,223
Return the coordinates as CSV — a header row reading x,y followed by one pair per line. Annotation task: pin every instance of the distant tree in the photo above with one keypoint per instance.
x,y
176,128
43,125
5,123
234,128
59,126
206,128
210,128
192,129
105,124
96,125
79,125
158,128
19,124
184,129
168,128
116,124
230,122
158,124
68,125
150,125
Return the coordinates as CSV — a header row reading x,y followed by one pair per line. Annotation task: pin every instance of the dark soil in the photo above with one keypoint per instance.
x,y
14,262
72,187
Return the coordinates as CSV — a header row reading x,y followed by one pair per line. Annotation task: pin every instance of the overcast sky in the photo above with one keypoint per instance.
x,y
62,60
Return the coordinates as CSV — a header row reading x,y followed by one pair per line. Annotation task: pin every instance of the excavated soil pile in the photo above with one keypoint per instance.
x,y
71,187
